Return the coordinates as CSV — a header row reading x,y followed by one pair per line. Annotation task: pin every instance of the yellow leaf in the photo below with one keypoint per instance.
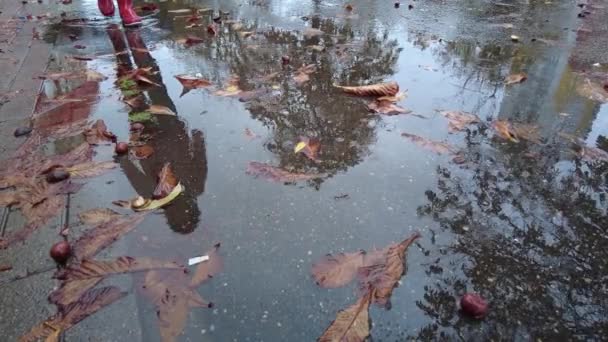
x,y
232,89
155,204
299,147
276,87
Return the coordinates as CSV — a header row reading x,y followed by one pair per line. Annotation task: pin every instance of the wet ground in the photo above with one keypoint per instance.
x,y
523,222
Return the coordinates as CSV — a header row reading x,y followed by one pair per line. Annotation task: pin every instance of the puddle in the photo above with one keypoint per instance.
x,y
521,223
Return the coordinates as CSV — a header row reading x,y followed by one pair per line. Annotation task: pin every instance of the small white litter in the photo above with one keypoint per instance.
x,y
197,260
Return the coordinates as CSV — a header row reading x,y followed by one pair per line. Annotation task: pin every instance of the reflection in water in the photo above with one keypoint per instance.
x,y
169,138
532,232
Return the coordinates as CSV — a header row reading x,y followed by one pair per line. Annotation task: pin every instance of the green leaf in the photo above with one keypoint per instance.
x,y
140,117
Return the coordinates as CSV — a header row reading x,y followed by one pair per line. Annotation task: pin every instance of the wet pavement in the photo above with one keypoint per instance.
x,y
521,221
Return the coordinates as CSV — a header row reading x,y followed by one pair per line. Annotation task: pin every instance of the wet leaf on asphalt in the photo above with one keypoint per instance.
x,y
97,216
76,279
435,146
104,234
381,89
88,304
173,295
190,40
192,82
309,147
396,98
516,131
98,133
207,269
458,121
140,75
160,110
386,107
516,78
351,324
166,182
383,276
302,74
90,169
142,152
333,271
276,174
136,102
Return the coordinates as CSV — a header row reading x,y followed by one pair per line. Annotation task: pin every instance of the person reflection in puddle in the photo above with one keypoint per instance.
x,y
169,138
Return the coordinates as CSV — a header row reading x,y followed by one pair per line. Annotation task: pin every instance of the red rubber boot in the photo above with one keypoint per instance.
x,y
127,13
106,7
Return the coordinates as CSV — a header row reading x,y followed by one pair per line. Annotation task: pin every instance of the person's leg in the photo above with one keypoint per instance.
x,y
127,13
106,7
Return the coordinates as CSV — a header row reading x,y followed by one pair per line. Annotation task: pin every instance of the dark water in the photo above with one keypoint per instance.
x,y
523,224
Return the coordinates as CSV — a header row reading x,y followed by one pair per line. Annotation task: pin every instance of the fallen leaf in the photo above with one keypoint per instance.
x,y
382,277
140,75
458,121
192,82
302,74
592,90
435,146
207,269
310,147
77,279
159,203
351,324
98,133
173,295
190,40
104,234
516,78
98,216
276,174
166,182
90,169
212,29
381,89
136,102
88,304
142,152
400,96
334,271
516,131
194,18
160,110
310,32
386,107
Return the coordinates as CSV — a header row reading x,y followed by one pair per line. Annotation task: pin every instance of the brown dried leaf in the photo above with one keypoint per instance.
x,y
435,146
386,107
88,304
90,169
302,74
190,40
337,270
383,276
459,120
142,152
351,324
79,278
381,89
98,216
98,133
160,110
192,82
104,235
516,78
170,292
276,174
516,131
207,269
166,182
136,102
309,147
